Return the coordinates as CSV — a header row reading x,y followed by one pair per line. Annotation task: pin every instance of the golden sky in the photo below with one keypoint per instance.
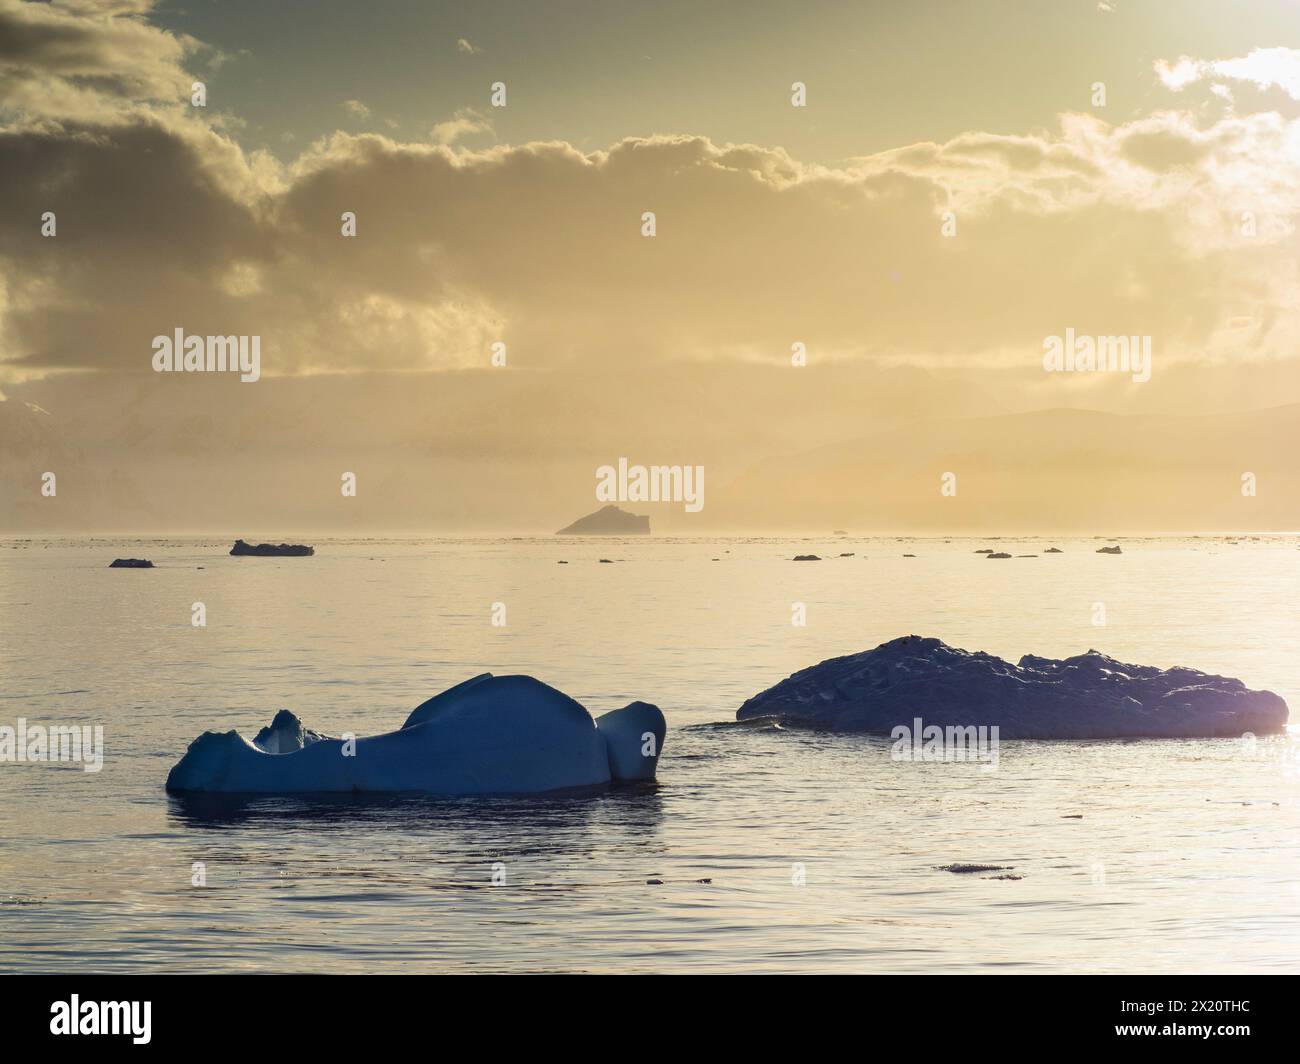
x,y
963,182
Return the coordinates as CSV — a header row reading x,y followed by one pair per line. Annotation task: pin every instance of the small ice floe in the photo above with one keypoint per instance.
x,y
1088,696
748,724
488,735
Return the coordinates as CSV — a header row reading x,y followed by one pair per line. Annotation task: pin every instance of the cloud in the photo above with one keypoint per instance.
x,y
1165,225
356,109
463,46
465,122
1265,68
1131,229
87,59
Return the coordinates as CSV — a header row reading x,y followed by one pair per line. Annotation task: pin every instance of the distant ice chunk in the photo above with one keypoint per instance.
x,y
488,735
1089,696
271,550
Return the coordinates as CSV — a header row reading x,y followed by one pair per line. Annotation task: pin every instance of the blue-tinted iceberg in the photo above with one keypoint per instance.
x,y
1089,696
488,735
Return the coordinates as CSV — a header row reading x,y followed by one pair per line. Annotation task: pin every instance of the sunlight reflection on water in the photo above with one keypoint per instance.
x,y
1159,856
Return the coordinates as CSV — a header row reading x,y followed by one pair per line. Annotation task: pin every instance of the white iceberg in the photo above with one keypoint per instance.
x,y
488,735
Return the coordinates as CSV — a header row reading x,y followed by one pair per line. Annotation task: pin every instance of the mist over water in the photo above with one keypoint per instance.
x,y
1148,855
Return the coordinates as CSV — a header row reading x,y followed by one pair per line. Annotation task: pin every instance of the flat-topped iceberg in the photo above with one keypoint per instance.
x,y
488,735
271,550
1089,696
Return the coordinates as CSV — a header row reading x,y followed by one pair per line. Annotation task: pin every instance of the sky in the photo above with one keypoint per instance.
x,y
881,75
962,182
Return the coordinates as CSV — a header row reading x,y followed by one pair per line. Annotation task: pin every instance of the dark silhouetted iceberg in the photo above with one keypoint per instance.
x,y
271,550
608,521
1090,696
488,735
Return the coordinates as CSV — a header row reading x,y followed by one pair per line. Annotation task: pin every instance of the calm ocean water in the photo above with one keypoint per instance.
x,y
1135,856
